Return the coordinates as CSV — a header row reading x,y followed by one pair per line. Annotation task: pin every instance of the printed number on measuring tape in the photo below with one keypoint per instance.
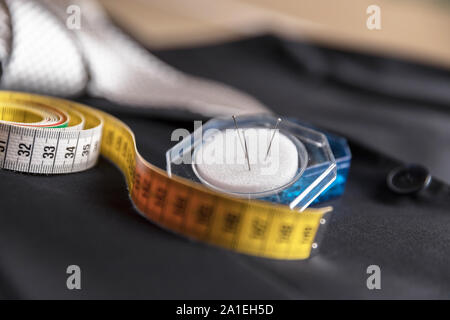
x,y
46,135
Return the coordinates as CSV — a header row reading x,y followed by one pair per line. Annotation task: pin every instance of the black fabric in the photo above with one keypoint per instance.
x,y
50,222
396,107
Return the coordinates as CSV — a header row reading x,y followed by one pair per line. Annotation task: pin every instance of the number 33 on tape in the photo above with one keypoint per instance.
x,y
45,135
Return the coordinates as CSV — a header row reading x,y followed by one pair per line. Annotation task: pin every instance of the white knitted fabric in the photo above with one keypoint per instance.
x,y
43,57
46,56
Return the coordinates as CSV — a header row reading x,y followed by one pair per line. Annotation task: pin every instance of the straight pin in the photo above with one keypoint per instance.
x,y
273,136
246,151
242,144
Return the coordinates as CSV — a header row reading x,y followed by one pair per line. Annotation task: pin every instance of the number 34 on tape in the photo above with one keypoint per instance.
x,y
45,135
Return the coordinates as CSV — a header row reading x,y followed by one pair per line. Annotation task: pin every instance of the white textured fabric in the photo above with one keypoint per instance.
x,y
50,58
43,57
5,33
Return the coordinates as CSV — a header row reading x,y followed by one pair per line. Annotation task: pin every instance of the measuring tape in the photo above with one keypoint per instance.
x,y
46,135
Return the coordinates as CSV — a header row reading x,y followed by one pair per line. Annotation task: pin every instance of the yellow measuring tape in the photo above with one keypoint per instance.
x,y
46,135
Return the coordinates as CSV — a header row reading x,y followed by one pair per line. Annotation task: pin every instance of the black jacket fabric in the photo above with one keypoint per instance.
x,y
391,111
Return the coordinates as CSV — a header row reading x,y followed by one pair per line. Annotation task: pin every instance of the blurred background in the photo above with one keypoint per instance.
x,y
412,29
388,88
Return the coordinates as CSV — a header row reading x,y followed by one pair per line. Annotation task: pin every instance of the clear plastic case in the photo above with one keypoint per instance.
x,y
316,163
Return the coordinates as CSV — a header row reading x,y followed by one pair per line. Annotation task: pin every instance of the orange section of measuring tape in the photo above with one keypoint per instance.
x,y
251,227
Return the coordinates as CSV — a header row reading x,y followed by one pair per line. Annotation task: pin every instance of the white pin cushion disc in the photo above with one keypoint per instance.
x,y
221,163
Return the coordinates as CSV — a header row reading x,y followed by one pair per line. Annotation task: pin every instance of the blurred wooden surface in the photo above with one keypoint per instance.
x,y
413,29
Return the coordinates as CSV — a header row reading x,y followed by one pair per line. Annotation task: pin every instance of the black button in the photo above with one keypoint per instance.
x,y
408,179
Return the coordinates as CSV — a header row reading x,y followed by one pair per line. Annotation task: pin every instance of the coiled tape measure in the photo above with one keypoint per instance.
x,y
46,135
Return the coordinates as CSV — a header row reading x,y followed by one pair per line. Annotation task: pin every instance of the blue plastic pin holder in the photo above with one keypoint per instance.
x,y
264,157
